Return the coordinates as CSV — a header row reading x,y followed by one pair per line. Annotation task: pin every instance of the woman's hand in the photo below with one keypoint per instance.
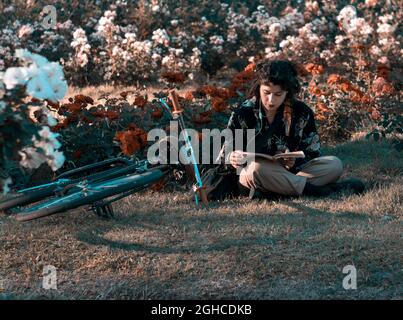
x,y
287,163
236,159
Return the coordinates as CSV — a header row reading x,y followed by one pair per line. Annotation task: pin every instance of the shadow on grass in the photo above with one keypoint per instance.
x,y
159,222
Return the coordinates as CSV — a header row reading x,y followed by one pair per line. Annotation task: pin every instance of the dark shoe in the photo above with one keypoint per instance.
x,y
351,184
317,191
243,191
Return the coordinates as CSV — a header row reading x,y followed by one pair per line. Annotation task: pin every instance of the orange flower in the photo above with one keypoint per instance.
x,y
110,114
80,98
55,105
321,107
315,90
140,101
320,117
73,107
189,96
174,77
132,139
219,104
314,68
334,78
345,86
250,67
366,99
156,114
309,67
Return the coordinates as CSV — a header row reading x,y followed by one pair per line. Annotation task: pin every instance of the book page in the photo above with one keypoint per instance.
x,y
287,155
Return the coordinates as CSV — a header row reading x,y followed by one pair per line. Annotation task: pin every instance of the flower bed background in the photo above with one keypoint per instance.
x,y
347,52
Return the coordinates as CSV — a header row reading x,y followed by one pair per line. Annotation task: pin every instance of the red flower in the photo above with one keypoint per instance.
x,y
219,104
334,78
80,98
132,139
110,114
140,101
156,114
73,107
200,119
321,107
174,77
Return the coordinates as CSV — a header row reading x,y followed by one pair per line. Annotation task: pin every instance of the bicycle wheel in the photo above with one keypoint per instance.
x,y
90,194
43,191
26,198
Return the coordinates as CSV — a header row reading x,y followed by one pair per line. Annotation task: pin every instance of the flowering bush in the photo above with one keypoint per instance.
x,y
26,141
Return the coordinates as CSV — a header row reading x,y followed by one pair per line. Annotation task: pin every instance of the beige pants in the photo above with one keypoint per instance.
x,y
271,176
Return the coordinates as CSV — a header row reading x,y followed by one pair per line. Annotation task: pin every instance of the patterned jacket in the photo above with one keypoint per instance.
x,y
271,138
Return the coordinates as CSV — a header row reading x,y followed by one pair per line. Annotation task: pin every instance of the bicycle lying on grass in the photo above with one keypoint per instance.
x,y
100,184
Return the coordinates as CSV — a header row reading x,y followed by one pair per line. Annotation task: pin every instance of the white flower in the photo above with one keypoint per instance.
x,y
25,30
44,79
39,87
347,13
375,51
59,88
31,158
156,57
56,160
174,22
386,18
217,40
15,76
26,55
53,71
275,27
155,8
385,28
339,39
160,36
48,140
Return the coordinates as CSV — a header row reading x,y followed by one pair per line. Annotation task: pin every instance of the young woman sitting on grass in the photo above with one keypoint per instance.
x,y
283,124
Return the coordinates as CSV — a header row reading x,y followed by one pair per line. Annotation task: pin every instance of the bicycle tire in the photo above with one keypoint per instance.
x,y
32,196
26,198
92,194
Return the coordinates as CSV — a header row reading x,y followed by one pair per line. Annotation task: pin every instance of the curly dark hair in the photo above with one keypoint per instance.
x,y
279,72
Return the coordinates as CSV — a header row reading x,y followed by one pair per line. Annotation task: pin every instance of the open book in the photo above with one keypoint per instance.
x,y
287,155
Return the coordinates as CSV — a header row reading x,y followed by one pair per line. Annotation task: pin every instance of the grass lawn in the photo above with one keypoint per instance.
x,y
160,246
